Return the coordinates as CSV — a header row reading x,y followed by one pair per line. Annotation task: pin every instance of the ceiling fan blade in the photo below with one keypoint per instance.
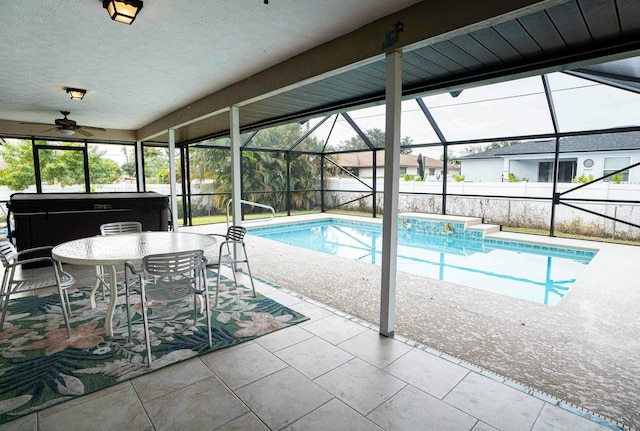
x,y
35,124
94,128
83,132
50,129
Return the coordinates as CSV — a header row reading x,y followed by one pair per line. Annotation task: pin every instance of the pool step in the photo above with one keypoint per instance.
x,y
485,228
470,223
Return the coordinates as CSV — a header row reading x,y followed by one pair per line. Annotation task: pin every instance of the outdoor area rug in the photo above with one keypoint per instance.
x,y
40,366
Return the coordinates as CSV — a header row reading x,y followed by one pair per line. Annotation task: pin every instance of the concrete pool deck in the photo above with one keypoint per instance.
x,y
583,351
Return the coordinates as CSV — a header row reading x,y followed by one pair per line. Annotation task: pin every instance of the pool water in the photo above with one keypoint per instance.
x,y
537,273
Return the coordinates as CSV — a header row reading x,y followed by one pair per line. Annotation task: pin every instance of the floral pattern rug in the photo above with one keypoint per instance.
x,y
41,366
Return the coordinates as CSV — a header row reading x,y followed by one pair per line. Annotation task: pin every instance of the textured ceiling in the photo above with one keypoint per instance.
x,y
174,53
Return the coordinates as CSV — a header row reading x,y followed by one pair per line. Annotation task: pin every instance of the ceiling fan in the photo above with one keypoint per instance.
x,y
68,127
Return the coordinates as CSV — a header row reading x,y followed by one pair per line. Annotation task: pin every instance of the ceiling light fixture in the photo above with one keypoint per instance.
x,y
76,93
66,132
124,11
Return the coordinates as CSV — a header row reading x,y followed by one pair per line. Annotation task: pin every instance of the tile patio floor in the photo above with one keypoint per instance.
x,y
328,373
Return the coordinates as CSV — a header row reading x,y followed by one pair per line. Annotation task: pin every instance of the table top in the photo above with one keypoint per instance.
x,y
132,247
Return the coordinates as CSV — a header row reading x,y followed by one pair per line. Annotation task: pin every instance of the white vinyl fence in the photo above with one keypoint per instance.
x,y
529,206
522,204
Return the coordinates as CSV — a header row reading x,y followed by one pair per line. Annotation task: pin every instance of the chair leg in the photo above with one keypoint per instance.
x,y
66,298
5,303
215,304
234,269
64,304
128,301
246,260
202,282
253,286
6,291
100,280
145,323
4,287
195,308
207,308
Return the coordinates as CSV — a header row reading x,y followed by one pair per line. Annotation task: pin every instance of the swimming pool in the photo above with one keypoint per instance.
x,y
528,271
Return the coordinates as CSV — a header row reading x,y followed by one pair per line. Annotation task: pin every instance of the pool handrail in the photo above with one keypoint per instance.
x,y
253,204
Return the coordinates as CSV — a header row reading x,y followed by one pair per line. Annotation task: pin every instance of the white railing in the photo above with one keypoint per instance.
x,y
253,204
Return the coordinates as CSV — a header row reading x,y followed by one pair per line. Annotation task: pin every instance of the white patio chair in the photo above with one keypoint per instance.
x,y
232,251
114,228
165,278
16,279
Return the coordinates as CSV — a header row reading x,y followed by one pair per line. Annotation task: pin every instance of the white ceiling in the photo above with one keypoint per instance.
x,y
175,52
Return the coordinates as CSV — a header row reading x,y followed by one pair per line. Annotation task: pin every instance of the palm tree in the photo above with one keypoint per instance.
x,y
264,173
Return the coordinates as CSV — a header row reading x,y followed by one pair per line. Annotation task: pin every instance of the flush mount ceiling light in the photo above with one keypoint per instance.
x,y
76,93
124,11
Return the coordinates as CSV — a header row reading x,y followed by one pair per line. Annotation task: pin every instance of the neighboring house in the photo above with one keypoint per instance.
x,y
595,155
361,165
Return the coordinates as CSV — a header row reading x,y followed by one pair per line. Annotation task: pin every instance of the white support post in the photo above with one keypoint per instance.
x,y
139,167
236,164
172,180
391,190
236,192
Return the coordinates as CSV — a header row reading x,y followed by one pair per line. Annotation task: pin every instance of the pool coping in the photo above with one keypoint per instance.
x,y
471,223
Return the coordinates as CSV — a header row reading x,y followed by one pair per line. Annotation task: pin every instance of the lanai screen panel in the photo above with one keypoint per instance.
x,y
414,125
582,104
335,134
512,108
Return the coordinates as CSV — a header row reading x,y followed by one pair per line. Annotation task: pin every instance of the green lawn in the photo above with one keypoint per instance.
x,y
566,235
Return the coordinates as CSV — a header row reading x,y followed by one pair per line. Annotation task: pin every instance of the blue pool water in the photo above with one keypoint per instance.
x,y
533,272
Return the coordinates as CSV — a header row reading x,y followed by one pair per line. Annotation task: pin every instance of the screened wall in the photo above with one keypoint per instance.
x,y
556,154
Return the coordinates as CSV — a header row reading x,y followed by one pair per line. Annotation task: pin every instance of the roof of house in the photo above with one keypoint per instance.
x,y
365,160
570,144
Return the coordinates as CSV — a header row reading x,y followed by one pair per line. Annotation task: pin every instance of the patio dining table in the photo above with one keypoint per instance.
x,y
114,250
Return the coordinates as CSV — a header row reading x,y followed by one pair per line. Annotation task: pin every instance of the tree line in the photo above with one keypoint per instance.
x,y
265,177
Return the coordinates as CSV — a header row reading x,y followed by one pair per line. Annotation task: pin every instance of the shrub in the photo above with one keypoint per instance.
x,y
583,179
617,178
512,179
